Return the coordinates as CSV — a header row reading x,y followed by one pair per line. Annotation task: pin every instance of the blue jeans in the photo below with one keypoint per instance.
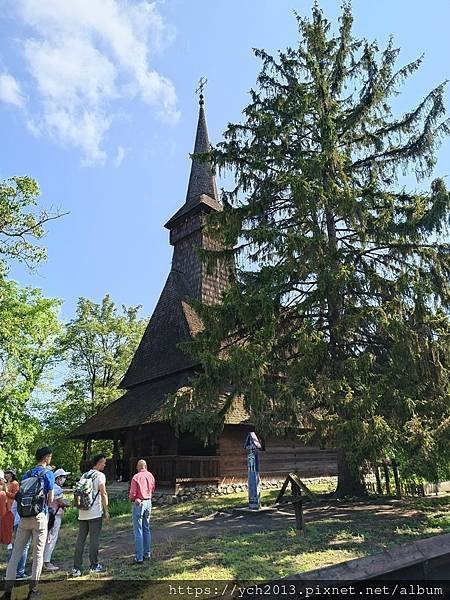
x,y
23,559
141,527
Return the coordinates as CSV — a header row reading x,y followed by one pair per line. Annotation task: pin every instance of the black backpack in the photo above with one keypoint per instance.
x,y
51,518
31,497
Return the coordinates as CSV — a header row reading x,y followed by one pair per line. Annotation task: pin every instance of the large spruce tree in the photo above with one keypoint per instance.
x,y
337,323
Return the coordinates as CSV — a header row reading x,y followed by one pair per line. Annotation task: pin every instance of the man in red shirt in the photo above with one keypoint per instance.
x,y
141,490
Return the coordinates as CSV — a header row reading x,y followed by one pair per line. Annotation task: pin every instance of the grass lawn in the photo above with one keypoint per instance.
x,y
345,533
331,537
279,553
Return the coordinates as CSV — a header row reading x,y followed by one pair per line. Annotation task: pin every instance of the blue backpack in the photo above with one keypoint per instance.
x,y
31,495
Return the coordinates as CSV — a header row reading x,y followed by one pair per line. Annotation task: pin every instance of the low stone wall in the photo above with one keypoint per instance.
x,y
191,492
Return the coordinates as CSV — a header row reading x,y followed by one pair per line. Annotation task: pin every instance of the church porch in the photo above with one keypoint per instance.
x,y
171,458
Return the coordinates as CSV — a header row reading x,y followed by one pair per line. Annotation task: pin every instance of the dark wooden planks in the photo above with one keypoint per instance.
x,y
279,458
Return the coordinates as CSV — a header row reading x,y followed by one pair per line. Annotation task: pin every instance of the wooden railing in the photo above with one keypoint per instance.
x,y
167,469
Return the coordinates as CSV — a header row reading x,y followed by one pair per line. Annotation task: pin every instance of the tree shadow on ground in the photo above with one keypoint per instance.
x,y
333,534
248,547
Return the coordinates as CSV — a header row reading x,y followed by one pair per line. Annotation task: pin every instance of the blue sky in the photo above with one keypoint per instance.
x,y
97,103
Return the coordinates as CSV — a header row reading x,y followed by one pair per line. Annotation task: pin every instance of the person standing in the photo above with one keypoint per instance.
x,y
57,508
21,573
141,490
11,504
3,500
12,487
35,494
90,520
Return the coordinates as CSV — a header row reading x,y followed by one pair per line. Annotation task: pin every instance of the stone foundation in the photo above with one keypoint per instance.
x,y
189,492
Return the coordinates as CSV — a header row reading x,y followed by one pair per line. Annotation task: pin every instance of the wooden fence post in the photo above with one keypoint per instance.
x,y
297,502
297,486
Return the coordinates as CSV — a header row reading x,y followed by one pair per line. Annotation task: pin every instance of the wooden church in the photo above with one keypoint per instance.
x,y
159,368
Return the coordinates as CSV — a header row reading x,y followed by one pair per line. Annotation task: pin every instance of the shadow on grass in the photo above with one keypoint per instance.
x,y
262,547
262,555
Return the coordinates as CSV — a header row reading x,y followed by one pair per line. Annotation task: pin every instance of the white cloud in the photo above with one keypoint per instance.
x,y
119,156
83,57
10,90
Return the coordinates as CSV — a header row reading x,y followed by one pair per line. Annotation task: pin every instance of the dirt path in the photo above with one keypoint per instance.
x,y
119,544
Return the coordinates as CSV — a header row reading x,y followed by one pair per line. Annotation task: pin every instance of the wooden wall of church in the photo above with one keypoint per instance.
x,y
279,458
149,440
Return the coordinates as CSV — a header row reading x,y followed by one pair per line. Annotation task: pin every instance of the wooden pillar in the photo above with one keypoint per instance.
x,y
139,442
116,454
297,502
136,446
398,488
87,449
378,480
84,450
116,470
386,477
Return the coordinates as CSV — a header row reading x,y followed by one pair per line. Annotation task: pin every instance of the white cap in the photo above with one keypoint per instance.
x,y
60,472
2,475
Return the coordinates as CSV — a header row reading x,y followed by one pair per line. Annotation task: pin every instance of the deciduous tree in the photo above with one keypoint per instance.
x,y
29,328
100,343
21,225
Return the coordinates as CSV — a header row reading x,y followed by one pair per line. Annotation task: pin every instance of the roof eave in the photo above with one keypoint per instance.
x,y
204,202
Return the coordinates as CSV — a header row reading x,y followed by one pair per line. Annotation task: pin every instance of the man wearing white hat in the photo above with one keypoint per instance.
x,y
58,507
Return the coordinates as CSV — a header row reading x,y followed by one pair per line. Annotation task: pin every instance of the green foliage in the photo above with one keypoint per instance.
x,y
20,227
29,327
98,346
57,418
117,508
338,319
100,343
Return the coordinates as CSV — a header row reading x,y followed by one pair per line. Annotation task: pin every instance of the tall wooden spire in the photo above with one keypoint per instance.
x,y
202,189
173,320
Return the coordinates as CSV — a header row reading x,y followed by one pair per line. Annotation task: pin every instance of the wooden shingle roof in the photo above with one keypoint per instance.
x,y
138,406
173,322
144,404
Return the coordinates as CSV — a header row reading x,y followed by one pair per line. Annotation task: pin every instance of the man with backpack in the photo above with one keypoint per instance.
x,y
91,498
34,495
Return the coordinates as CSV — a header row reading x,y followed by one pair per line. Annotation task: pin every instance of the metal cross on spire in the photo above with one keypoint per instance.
x,y
201,86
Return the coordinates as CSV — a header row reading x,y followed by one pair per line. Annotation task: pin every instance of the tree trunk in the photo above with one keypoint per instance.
x,y
350,482
386,478
398,487
378,480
